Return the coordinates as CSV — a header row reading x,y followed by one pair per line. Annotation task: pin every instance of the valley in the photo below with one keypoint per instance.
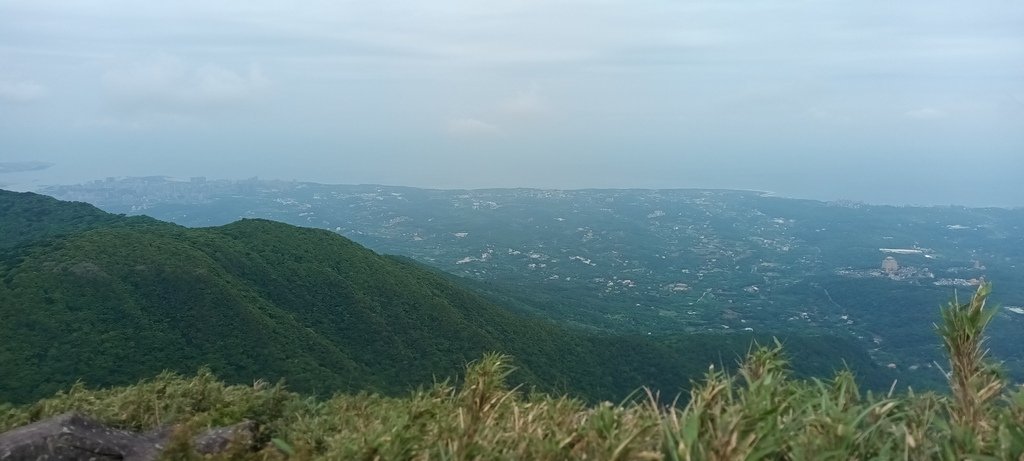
x,y
654,262
107,300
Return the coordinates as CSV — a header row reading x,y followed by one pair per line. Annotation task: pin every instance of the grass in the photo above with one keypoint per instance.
x,y
760,412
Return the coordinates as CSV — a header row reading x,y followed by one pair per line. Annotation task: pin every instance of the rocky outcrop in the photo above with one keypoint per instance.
x,y
72,436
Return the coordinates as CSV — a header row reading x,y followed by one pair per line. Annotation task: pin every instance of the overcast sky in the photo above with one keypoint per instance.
x,y
910,101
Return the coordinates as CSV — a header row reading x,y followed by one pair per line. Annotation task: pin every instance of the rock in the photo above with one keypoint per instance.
x,y
69,436
74,437
219,439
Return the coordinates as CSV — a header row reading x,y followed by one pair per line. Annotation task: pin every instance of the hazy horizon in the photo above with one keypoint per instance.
x,y
920,102
38,184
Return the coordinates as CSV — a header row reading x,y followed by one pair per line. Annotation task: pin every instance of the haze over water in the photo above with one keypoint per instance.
x,y
920,102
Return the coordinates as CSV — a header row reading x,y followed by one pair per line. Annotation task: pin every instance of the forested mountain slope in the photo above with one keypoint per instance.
x,y
27,217
110,300
656,261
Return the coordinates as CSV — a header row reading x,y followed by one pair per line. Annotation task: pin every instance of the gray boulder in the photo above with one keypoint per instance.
x,y
74,437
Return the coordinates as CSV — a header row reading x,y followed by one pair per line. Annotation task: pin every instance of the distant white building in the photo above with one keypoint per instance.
x,y
890,265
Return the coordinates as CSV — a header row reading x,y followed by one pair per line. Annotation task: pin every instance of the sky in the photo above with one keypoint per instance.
x,y
908,102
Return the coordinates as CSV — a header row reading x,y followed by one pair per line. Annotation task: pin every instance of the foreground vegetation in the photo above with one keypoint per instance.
x,y
758,412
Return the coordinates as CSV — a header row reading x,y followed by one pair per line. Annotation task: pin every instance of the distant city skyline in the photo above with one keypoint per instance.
x,y
915,102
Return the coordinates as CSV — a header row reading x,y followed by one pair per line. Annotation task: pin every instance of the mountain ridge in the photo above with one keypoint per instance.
x,y
117,299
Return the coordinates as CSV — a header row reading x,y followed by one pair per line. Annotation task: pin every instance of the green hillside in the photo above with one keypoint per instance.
x,y
28,217
756,412
110,300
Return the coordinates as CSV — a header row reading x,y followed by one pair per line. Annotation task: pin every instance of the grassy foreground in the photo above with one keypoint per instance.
x,y
757,413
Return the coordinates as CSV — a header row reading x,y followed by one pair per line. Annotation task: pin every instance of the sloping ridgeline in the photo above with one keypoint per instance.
x,y
86,295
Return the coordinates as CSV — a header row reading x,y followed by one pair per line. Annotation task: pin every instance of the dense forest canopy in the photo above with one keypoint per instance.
x,y
109,300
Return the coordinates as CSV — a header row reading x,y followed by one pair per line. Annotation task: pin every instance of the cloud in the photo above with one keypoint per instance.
x,y
17,167
508,116
926,113
21,92
128,123
524,104
819,113
168,85
470,128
